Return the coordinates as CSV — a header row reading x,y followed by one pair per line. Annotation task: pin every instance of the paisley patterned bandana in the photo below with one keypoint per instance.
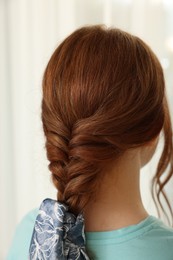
x,y
58,234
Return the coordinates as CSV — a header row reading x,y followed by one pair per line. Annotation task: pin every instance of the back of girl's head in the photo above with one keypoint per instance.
x,y
103,94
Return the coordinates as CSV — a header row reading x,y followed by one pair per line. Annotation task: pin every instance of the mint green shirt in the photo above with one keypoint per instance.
x,y
150,239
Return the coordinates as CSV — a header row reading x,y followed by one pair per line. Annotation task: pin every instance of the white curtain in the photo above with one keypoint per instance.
x,y
29,32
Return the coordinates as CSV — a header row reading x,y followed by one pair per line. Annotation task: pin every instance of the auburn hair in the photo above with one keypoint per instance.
x,y
103,93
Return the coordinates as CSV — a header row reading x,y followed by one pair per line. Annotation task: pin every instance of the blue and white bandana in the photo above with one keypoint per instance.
x,y
58,234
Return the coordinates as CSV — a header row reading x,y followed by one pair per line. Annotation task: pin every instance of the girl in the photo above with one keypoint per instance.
x,y
104,106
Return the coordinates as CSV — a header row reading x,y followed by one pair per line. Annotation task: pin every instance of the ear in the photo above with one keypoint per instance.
x,y
147,151
154,141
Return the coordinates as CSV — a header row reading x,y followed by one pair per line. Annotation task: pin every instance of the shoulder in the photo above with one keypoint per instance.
x,y
28,219
158,240
21,240
161,230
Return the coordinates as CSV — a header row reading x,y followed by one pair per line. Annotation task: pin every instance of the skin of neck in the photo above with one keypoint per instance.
x,y
118,201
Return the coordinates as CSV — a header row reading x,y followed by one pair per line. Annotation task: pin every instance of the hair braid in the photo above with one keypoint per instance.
x,y
103,92
73,167
57,136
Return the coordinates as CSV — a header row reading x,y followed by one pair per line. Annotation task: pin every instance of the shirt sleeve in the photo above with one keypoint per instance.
x,y
19,249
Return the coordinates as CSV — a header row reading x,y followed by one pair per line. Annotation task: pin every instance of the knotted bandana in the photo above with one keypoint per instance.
x,y
58,234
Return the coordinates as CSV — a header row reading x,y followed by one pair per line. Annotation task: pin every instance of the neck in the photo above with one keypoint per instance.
x,y
118,201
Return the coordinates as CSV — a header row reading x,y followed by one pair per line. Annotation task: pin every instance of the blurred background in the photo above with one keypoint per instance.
x,y
30,30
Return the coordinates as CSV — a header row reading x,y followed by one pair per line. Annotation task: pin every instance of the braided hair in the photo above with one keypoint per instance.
x,y
103,93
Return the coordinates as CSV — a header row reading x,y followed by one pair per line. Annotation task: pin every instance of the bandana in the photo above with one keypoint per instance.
x,y
58,234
